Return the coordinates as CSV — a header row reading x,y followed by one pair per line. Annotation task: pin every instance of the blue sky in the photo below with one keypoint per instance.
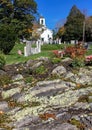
x,y
57,10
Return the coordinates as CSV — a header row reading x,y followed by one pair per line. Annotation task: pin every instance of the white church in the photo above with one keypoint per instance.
x,y
46,34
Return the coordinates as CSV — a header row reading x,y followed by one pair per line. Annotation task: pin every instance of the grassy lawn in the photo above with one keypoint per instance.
x,y
46,51
14,57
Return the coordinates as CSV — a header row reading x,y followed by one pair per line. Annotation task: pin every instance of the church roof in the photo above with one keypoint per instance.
x,y
41,17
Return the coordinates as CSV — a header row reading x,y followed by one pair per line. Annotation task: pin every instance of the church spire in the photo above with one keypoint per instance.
x,y
42,21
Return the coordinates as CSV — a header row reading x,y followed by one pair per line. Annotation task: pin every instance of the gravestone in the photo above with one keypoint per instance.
x,y
28,50
74,41
25,51
59,42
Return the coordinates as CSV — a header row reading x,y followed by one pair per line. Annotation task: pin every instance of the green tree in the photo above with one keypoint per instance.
x,y
16,17
88,32
74,25
6,9
20,13
7,38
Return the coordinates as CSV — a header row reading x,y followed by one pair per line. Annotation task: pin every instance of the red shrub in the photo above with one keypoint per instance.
x,y
75,51
55,52
89,58
58,54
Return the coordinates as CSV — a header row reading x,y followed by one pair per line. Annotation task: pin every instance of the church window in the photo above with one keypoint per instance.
x,y
42,21
42,39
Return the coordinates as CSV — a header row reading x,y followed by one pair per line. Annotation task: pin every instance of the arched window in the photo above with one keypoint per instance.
x,y
42,21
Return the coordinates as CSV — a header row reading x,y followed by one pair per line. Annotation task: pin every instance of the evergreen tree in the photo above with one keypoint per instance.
x,y
74,25
88,29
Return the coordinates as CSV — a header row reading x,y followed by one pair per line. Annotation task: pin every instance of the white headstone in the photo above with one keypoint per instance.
x,y
25,51
38,45
59,41
72,41
28,50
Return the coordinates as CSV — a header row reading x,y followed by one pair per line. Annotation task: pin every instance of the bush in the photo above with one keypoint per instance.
x,y
78,62
7,38
75,51
2,60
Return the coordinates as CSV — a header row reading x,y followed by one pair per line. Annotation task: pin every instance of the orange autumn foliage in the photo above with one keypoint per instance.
x,y
61,30
75,51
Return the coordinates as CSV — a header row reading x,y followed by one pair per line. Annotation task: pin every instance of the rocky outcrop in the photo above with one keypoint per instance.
x,y
61,99
59,70
2,72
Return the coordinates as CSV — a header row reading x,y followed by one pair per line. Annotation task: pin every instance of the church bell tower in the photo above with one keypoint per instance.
x,y
42,21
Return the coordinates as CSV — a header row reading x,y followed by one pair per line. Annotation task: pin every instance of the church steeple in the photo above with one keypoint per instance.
x,y
42,21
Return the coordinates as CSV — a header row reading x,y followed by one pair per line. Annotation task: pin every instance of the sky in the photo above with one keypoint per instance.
x,y
56,11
